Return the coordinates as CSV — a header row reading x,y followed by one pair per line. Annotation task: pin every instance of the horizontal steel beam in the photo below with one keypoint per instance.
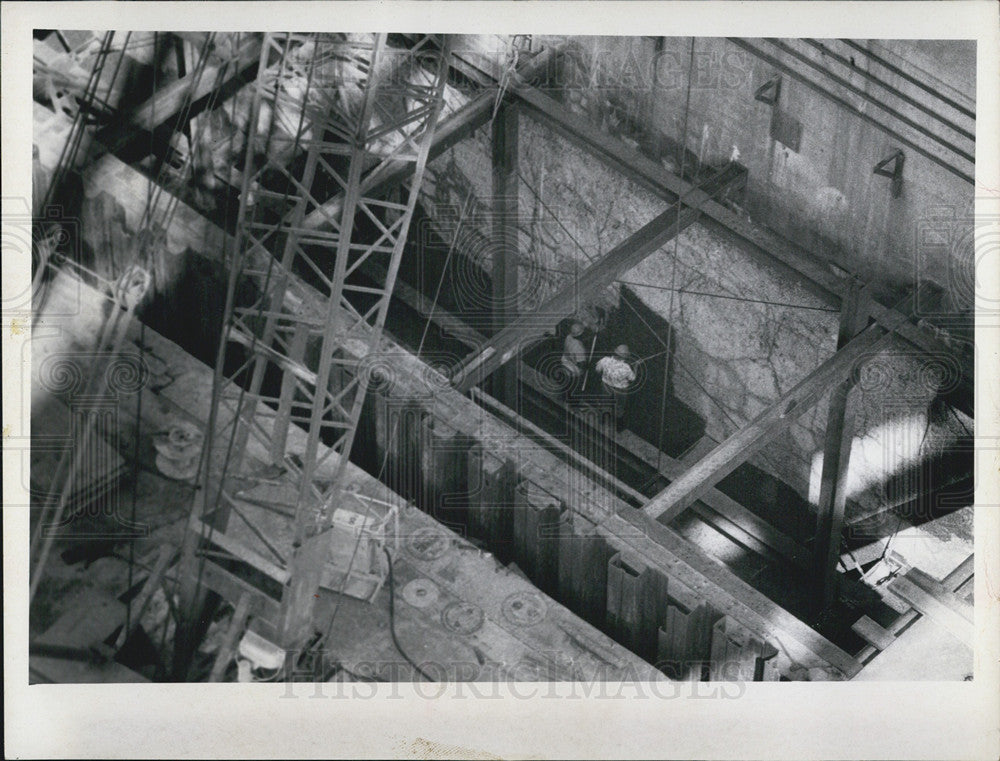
x,y
743,444
715,508
764,244
452,129
654,234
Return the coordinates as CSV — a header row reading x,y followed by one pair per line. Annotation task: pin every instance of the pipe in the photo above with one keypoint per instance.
x,y
888,88
861,93
910,78
852,109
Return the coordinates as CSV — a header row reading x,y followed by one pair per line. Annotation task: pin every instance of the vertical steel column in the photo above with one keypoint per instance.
x,y
836,457
506,248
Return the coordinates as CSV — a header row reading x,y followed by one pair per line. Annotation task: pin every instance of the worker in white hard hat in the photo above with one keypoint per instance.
x,y
617,375
573,357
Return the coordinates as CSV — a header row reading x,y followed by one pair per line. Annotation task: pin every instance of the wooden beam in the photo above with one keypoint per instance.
x,y
934,600
874,634
743,444
956,582
506,249
125,136
836,457
681,214
941,591
740,519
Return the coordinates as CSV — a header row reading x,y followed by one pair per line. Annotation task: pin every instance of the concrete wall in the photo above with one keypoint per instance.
x,y
822,194
734,354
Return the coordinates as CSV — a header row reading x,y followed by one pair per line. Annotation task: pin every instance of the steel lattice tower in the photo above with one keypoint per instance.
x,y
328,110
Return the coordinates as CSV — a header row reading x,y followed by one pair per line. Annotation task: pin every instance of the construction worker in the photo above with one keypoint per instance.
x,y
573,357
617,374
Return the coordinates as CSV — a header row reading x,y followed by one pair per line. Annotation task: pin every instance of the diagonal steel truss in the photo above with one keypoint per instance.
x,y
327,109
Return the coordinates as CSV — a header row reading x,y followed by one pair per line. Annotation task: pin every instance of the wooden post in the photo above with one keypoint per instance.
x,y
685,641
491,513
443,469
636,604
506,248
536,527
583,568
836,457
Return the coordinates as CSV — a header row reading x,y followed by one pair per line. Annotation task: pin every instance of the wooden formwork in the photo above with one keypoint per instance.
x,y
562,552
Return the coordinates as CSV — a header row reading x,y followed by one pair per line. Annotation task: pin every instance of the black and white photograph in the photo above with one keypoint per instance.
x,y
370,363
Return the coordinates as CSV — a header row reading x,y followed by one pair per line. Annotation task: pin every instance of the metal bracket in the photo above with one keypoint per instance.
x,y
769,91
895,174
